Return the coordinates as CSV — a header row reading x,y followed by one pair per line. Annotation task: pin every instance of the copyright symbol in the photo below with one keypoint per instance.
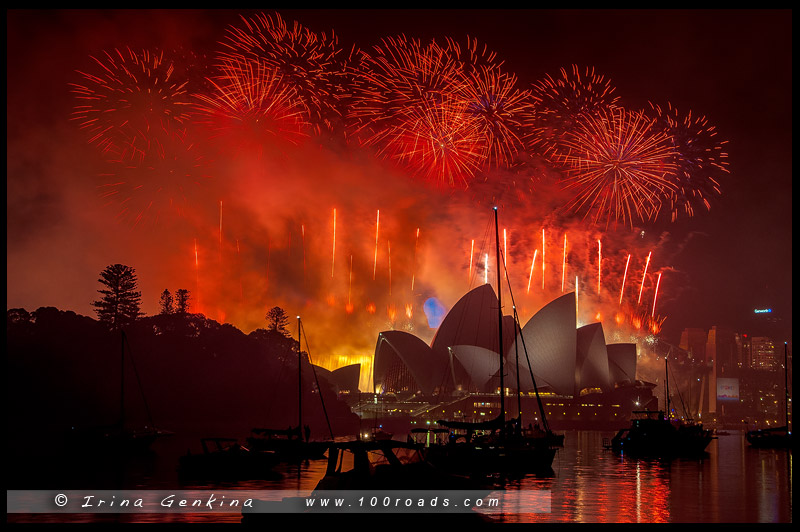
x,y
61,500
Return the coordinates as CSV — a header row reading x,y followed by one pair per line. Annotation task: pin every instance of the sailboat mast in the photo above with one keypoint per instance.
x,y
299,384
666,386
122,382
499,316
786,383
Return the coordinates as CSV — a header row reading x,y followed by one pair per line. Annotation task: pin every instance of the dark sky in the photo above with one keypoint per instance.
x,y
733,66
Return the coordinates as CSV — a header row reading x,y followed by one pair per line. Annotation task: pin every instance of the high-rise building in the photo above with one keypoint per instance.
x,y
722,349
694,340
763,353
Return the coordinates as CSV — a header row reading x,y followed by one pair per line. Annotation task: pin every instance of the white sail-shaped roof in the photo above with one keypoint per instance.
x,y
471,321
592,358
622,363
427,369
480,364
550,340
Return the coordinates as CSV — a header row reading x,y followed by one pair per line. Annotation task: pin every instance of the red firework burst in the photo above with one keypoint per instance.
x,y
700,160
307,60
560,103
491,97
127,96
617,166
253,104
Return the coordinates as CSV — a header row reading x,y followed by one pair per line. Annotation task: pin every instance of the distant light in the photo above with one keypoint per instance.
x,y
434,311
762,310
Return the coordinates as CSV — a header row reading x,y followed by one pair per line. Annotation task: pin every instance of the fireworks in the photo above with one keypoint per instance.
x,y
306,61
560,104
129,96
492,101
617,167
251,105
699,161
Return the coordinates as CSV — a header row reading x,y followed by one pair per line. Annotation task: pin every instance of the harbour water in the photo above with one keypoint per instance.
x,y
732,483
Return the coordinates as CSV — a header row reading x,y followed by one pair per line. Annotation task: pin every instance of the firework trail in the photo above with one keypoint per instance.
x,y
700,160
333,253
617,167
655,296
543,259
377,230
599,262
471,254
644,276
196,277
414,267
530,277
625,276
564,263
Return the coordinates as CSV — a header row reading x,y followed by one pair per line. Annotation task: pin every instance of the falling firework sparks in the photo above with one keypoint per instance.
x,y
349,308
414,268
471,254
333,253
377,229
533,262
197,276
577,314
564,263
303,244
599,262
655,296
220,230
543,259
389,255
624,276
644,276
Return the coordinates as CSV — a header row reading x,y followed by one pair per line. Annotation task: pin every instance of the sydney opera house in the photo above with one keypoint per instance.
x,y
582,381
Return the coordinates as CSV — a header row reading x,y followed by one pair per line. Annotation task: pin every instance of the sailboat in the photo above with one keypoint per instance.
x,y
656,435
503,448
292,444
120,437
777,437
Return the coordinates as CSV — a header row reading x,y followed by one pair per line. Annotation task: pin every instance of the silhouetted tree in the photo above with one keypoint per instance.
x,y
277,320
182,301
166,302
121,302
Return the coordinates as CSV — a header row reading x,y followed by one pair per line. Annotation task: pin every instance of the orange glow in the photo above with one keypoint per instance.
x,y
371,308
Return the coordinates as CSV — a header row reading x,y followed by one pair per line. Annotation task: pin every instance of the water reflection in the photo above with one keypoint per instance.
x,y
732,483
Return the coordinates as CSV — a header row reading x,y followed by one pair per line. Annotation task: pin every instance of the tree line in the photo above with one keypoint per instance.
x,y
121,301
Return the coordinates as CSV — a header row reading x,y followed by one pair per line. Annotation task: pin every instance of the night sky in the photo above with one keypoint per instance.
x,y
733,66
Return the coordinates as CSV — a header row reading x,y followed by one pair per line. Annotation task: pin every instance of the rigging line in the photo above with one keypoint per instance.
x,y
527,358
683,406
138,381
314,371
